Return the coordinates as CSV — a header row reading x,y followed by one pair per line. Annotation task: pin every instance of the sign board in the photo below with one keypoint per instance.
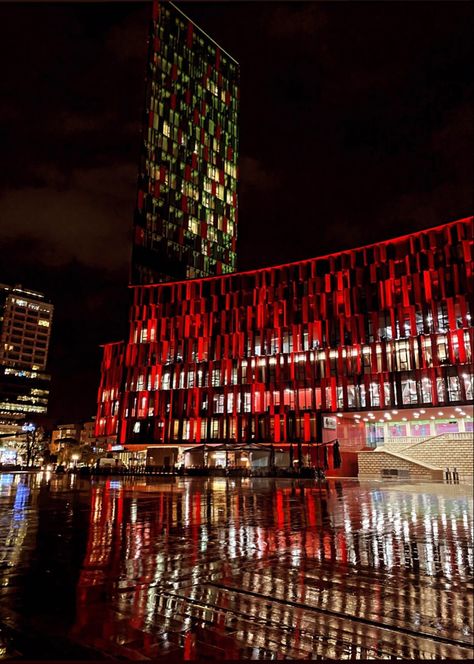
x,y
7,455
116,448
329,423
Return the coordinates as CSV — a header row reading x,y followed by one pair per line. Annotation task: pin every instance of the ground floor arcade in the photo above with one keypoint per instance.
x,y
352,431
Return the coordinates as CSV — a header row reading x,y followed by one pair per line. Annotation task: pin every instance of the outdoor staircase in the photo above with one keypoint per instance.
x,y
427,459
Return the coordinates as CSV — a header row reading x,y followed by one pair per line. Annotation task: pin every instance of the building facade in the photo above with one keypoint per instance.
x,y
260,356
186,216
76,443
64,434
25,327
25,330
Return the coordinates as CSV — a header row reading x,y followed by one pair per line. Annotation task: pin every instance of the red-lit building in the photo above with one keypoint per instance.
x,y
299,353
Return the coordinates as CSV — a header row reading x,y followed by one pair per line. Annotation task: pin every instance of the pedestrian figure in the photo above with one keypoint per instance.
x,y
336,455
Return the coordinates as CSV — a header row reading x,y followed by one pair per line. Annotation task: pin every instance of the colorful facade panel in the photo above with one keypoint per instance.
x,y
256,356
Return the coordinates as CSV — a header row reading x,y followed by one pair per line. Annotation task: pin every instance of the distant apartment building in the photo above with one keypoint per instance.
x,y
87,435
65,434
25,327
25,330
78,435
185,223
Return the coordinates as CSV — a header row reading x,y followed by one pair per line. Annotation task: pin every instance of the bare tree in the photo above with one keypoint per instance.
x,y
32,444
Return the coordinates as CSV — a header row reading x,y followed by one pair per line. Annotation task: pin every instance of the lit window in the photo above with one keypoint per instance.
x,y
247,402
194,226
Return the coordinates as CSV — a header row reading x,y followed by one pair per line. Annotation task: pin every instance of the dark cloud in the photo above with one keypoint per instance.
x,y
90,309
356,125
299,22
84,217
256,177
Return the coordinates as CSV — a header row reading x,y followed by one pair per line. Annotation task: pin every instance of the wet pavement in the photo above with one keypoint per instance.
x,y
221,568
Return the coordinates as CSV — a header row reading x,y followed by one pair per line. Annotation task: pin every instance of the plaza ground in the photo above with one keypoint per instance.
x,y
221,568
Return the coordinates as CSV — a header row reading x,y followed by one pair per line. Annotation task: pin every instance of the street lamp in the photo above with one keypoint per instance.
x,y
28,427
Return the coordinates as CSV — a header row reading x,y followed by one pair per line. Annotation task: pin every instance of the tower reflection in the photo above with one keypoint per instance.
x,y
255,568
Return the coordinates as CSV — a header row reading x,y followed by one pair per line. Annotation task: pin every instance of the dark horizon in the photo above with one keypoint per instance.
x,y
360,130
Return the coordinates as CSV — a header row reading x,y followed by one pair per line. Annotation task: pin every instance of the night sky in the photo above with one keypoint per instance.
x,y
356,125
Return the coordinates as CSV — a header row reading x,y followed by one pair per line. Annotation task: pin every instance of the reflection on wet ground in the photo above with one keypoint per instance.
x,y
234,568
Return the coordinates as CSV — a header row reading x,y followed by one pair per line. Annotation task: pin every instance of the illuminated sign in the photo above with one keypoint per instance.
x,y
329,423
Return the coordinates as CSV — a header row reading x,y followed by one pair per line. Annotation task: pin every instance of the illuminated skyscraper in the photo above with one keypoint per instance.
x,y
185,221
25,329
